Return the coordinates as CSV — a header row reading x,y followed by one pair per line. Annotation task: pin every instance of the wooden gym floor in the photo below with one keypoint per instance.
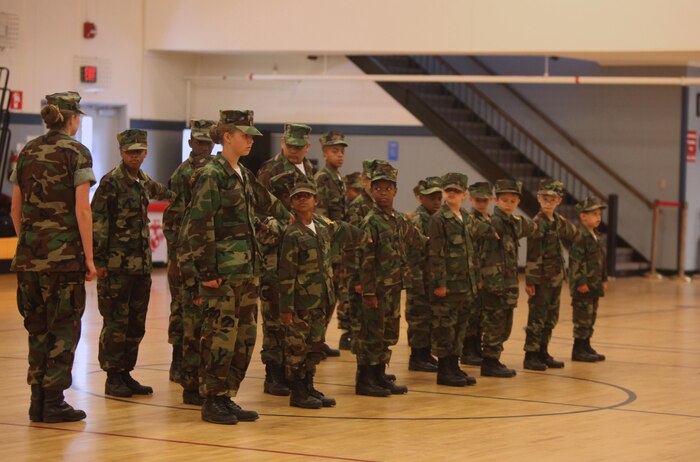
x,y
643,403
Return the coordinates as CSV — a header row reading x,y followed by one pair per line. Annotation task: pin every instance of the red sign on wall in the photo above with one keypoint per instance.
x,y
692,146
16,100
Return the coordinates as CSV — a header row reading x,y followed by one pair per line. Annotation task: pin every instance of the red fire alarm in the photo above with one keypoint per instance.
x,y
89,30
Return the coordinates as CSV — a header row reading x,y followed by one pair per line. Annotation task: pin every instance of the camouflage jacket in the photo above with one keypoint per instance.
x,y
384,261
587,263
180,183
48,170
269,235
545,255
499,257
418,258
280,164
305,270
478,243
357,211
121,236
451,255
331,195
222,220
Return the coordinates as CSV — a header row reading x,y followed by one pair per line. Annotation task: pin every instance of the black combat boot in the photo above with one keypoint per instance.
x,y
175,373
580,353
533,361
275,382
365,383
57,410
446,375
241,414
192,397
590,349
546,358
215,410
326,402
492,367
133,385
329,352
470,353
418,361
115,386
300,396
383,381
345,341
36,404
454,364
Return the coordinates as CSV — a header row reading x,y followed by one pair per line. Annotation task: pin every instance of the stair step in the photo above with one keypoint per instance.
x,y
519,169
472,128
396,60
455,115
504,155
421,88
487,141
441,101
624,254
393,69
631,266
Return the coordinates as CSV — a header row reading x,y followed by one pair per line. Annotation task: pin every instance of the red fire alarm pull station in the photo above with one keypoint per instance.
x,y
89,30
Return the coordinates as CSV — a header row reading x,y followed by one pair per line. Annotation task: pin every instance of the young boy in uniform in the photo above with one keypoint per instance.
x,y
588,279
500,275
123,261
545,274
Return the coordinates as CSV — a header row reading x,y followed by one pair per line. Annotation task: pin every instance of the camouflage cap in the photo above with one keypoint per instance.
x,y
282,184
352,180
200,129
454,180
368,166
589,204
66,101
551,188
384,171
133,139
296,134
243,120
333,138
429,185
301,187
506,185
481,190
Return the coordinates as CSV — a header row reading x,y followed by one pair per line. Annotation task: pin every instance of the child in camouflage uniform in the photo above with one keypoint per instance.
x,y
545,274
353,186
306,291
180,184
499,270
123,261
221,232
384,273
588,279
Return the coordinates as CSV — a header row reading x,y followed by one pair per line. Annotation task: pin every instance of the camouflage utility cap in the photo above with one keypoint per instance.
x,y
296,134
430,185
368,166
303,187
551,188
282,184
589,204
481,190
453,180
507,185
333,138
384,171
243,120
66,101
352,180
200,129
132,140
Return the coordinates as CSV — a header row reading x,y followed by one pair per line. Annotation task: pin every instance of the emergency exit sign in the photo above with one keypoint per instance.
x,y
88,74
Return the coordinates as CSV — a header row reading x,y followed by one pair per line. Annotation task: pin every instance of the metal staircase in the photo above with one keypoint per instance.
x,y
486,137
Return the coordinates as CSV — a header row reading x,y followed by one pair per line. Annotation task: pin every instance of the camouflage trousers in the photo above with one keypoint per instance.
x,y
342,297
229,330
175,326
272,351
450,317
476,315
302,346
584,315
123,303
191,338
52,305
377,328
419,318
543,315
498,321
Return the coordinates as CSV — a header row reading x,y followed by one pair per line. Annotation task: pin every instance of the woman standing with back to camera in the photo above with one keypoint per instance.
x,y
52,219
221,235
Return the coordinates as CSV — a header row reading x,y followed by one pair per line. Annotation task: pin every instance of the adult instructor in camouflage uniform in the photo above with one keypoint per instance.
x,y
51,215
